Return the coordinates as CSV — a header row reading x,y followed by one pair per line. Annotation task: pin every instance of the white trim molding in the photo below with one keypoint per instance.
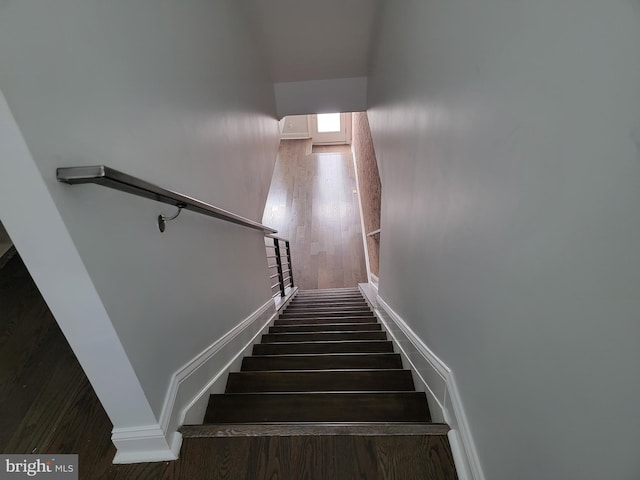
x,y
148,443
436,379
189,389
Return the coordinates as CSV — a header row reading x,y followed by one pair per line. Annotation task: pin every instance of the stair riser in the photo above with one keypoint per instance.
x,y
324,314
353,301
327,328
323,347
303,312
328,291
329,299
326,407
328,308
323,320
322,337
330,295
321,362
354,288
332,298
320,381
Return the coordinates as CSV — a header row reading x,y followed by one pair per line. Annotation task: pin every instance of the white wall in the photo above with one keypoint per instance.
x,y
509,134
155,91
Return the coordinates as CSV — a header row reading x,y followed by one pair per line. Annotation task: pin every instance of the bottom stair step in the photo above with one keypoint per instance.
x,y
318,407
362,429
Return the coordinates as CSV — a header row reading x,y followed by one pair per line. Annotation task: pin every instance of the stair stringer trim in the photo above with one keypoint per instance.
x,y
162,441
223,356
189,384
428,369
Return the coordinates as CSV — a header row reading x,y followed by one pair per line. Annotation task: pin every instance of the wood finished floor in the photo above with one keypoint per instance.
x,y
48,406
313,202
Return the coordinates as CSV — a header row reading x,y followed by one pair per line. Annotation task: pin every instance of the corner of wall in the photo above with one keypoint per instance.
x,y
149,443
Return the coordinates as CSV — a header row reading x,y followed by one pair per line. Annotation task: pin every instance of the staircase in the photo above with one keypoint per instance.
x,y
324,368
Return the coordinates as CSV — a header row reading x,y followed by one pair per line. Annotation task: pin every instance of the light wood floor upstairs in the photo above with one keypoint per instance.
x,y
313,202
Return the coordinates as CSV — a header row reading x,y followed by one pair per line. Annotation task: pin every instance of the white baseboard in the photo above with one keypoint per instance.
x,y
144,444
427,376
188,391
436,379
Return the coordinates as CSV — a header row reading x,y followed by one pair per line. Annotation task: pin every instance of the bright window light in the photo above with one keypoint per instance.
x,y
328,122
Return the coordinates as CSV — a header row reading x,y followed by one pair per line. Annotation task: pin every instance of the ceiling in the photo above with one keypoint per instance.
x,y
315,40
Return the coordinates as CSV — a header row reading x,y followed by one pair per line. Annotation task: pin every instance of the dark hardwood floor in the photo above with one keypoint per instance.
x,y
48,406
313,202
321,458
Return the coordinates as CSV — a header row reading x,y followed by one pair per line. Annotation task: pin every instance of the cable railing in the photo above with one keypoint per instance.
x,y
278,249
279,259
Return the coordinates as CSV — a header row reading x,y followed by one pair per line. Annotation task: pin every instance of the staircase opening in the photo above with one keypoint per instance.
x,y
325,198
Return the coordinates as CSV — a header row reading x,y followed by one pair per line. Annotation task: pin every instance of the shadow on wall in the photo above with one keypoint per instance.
x,y
5,241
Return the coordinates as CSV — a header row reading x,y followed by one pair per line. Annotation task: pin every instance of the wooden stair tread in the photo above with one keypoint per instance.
x,y
362,429
326,291
321,320
318,407
334,297
325,314
341,289
354,346
322,336
327,327
328,306
320,381
322,361
329,301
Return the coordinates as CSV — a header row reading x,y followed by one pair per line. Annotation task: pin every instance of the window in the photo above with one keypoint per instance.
x,y
328,122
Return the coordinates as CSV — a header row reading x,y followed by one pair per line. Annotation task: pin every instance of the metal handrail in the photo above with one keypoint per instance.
x,y
275,237
108,177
